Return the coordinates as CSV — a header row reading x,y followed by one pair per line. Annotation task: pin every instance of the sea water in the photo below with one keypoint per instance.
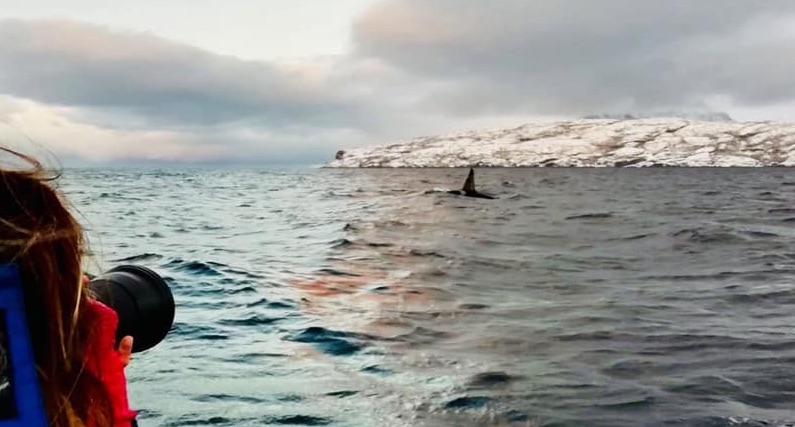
x,y
580,297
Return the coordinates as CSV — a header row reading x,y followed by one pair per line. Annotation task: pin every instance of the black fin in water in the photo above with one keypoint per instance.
x,y
469,184
469,188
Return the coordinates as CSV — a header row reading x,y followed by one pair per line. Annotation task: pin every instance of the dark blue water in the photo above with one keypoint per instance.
x,y
660,297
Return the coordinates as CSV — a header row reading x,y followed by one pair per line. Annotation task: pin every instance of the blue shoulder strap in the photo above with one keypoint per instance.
x,y
24,385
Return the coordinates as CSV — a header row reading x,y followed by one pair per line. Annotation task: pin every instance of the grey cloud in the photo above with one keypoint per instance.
x,y
111,75
583,56
417,67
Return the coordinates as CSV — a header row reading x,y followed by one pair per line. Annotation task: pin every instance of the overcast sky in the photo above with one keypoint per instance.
x,y
295,80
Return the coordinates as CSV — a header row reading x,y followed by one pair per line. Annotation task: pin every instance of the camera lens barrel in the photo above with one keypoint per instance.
x,y
141,299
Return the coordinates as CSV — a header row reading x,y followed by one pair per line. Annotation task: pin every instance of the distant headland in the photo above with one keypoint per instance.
x,y
592,142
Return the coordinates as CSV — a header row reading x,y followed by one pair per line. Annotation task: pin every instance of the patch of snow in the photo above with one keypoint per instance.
x,y
592,143
628,152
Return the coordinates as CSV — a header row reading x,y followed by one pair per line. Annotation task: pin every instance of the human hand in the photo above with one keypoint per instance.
x,y
126,344
125,350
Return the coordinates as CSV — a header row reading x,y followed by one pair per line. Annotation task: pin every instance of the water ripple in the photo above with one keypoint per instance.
x,y
349,298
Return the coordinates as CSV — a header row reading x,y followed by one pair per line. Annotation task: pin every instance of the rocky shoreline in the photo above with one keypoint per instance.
x,y
591,143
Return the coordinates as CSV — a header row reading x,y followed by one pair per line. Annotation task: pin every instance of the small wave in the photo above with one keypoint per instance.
x,y
707,385
380,245
215,304
777,297
340,194
722,275
701,235
468,402
761,234
336,343
276,305
213,337
391,223
247,358
422,335
335,272
237,271
628,403
631,238
340,243
595,336
518,196
342,394
140,258
217,264
241,290
377,370
688,342
628,369
603,215
199,332
472,306
782,346
227,397
491,379
553,181
770,258
383,290
194,267
748,422
204,421
299,420
426,253
252,320
514,416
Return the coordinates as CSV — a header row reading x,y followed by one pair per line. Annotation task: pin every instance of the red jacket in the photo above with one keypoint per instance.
x,y
104,362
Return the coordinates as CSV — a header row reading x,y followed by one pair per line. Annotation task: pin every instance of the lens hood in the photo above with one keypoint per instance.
x,y
141,299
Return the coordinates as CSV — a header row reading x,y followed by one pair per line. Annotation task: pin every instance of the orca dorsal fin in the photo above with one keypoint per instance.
x,y
469,185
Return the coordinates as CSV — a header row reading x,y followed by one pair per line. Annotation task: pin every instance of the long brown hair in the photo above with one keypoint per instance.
x,y
40,235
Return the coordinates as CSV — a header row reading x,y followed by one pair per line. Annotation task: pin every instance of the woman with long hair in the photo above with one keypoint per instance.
x,y
81,374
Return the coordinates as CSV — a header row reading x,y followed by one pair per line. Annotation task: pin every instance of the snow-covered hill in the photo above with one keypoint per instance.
x,y
592,143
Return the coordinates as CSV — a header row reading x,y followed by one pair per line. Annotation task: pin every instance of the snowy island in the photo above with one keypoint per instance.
x,y
591,143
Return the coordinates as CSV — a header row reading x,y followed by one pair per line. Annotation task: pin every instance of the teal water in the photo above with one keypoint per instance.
x,y
360,298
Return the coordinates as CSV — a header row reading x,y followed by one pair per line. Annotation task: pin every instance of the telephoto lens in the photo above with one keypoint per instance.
x,y
141,299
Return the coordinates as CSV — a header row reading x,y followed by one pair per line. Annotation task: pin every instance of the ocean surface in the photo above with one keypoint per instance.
x,y
580,297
